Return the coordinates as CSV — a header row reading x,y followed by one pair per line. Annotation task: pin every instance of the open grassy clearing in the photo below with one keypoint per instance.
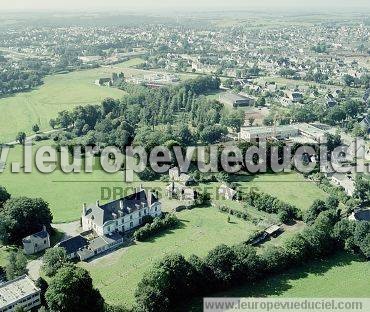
x,y
342,276
288,187
59,92
66,192
116,275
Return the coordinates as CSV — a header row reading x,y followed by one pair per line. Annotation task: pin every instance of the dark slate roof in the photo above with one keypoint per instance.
x,y
42,234
104,213
73,244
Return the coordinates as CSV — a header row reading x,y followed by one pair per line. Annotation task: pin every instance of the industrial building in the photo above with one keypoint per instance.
x,y
19,293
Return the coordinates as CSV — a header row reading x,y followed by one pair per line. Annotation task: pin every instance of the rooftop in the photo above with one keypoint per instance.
x,y
16,289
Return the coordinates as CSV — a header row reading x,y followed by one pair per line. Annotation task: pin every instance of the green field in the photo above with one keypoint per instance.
x,y
59,92
116,275
342,276
290,187
67,192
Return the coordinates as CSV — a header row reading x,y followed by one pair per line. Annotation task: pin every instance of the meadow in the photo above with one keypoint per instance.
x,y
116,275
59,92
342,276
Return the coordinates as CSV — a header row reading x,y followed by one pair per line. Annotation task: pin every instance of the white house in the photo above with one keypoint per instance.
x,y
121,215
36,242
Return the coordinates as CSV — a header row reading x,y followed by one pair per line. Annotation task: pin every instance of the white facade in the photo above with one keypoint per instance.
x,y
19,293
122,220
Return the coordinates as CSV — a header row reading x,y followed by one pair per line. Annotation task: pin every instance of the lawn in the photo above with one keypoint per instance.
x,y
59,189
291,187
342,276
59,92
117,275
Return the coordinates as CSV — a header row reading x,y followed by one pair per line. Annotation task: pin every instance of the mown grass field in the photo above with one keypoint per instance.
x,y
341,276
117,275
59,92
67,192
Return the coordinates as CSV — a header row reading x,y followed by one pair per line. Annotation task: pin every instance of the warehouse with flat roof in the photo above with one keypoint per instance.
x,y
19,293
235,100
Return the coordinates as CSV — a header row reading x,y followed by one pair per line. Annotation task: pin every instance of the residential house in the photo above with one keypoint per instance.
x,y
121,215
181,192
36,242
176,175
345,181
226,192
73,245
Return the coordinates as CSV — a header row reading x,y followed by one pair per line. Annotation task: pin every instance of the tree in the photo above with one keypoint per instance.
x,y
22,216
71,290
52,123
315,209
221,260
21,137
16,265
4,195
53,260
43,286
35,128
362,190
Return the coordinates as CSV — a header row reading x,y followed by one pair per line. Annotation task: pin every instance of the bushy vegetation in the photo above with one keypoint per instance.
x,y
22,216
169,221
174,279
135,118
270,204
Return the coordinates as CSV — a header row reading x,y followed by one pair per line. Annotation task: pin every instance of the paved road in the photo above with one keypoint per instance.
x,y
33,268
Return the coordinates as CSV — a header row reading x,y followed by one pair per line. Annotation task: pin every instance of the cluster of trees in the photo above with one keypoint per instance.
x,y
168,222
174,279
22,216
362,191
16,264
319,206
347,110
69,288
351,81
270,204
16,80
147,115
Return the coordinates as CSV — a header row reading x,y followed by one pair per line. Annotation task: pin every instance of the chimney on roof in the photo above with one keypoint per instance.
x,y
84,209
121,204
149,195
44,228
97,203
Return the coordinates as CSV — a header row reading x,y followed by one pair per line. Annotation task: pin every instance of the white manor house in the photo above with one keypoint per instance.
x,y
121,215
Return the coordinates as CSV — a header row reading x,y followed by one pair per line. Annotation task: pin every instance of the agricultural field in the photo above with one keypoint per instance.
x,y
342,276
116,275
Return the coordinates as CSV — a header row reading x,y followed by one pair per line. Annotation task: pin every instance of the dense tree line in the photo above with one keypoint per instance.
x,y
152,115
174,279
270,204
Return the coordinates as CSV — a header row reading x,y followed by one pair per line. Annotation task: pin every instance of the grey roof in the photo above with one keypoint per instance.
x,y
42,234
73,244
17,289
103,213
